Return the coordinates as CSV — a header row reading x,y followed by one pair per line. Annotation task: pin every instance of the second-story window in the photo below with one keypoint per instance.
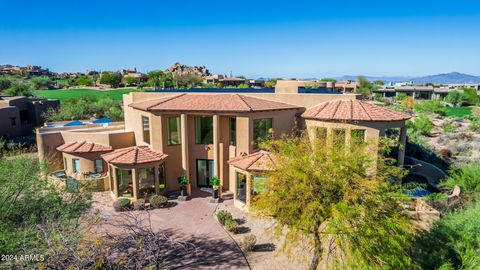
x,y
262,129
146,129
173,130
203,130
233,130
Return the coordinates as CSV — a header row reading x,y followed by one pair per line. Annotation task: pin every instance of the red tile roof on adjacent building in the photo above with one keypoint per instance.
x,y
258,161
352,110
212,103
133,155
83,147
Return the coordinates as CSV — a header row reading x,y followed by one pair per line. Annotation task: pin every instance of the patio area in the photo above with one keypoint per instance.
x,y
192,221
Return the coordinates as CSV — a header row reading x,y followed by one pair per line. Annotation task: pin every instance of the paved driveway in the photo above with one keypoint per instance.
x,y
191,221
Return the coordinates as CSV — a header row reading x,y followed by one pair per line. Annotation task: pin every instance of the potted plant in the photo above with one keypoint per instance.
x,y
215,182
183,182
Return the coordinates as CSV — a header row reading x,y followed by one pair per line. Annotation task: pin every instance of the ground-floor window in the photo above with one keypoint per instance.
x,y
125,184
241,187
98,165
146,181
76,165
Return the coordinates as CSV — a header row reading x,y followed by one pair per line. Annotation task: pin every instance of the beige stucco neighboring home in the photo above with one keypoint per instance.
x,y
204,135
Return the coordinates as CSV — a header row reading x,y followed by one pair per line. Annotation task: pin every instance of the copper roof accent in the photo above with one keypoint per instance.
x,y
258,161
83,147
133,155
352,110
212,103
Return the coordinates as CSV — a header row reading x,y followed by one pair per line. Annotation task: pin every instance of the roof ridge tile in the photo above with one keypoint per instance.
x,y
244,102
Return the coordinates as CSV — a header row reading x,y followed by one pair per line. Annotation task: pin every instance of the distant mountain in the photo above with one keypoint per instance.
x,y
445,78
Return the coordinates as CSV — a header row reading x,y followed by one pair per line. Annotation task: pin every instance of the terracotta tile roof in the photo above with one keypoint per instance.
x,y
212,103
133,155
352,110
258,161
83,147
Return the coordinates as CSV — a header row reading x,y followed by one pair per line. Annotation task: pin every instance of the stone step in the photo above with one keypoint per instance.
x,y
227,195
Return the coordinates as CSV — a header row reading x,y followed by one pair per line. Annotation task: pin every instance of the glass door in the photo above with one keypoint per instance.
x,y
204,172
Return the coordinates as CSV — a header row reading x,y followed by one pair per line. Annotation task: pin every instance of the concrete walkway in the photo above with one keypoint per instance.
x,y
191,221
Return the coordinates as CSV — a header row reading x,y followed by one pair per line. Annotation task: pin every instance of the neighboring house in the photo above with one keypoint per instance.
x,y
20,115
202,135
420,92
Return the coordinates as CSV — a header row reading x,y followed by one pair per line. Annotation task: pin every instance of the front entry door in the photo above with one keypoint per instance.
x,y
204,172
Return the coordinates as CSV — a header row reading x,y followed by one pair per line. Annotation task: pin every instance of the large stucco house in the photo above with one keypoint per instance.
x,y
166,134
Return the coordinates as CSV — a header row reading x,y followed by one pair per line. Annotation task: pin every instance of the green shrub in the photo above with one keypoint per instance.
x,y
449,127
223,216
231,225
158,201
401,96
467,177
121,204
437,196
249,242
139,204
420,125
429,106
453,242
474,124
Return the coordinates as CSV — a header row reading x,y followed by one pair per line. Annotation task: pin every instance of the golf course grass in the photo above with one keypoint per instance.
x,y
64,94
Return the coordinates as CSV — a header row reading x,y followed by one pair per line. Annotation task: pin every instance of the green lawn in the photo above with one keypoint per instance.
x,y
458,111
64,94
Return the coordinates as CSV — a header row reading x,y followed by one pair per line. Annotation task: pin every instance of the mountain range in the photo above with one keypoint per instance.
x,y
444,78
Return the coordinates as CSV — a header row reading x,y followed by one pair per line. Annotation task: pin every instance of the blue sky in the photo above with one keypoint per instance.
x,y
252,38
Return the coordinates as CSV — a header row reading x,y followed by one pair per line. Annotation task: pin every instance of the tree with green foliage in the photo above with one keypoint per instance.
x,y
159,79
5,82
128,81
429,106
29,204
469,96
86,107
378,82
84,80
19,88
328,80
187,81
41,82
454,97
114,79
270,83
338,200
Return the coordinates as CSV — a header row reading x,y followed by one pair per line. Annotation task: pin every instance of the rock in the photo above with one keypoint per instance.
x,y
178,69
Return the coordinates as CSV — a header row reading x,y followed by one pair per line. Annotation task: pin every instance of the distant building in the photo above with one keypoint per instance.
x,y
28,70
420,92
20,115
133,73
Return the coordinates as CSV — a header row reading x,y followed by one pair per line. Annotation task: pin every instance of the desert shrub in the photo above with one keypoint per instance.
x,y
429,106
467,177
420,125
121,204
231,225
401,96
437,196
476,111
454,97
407,102
223,216
474,124
249,242
139,204
449,127
158,201
453,242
